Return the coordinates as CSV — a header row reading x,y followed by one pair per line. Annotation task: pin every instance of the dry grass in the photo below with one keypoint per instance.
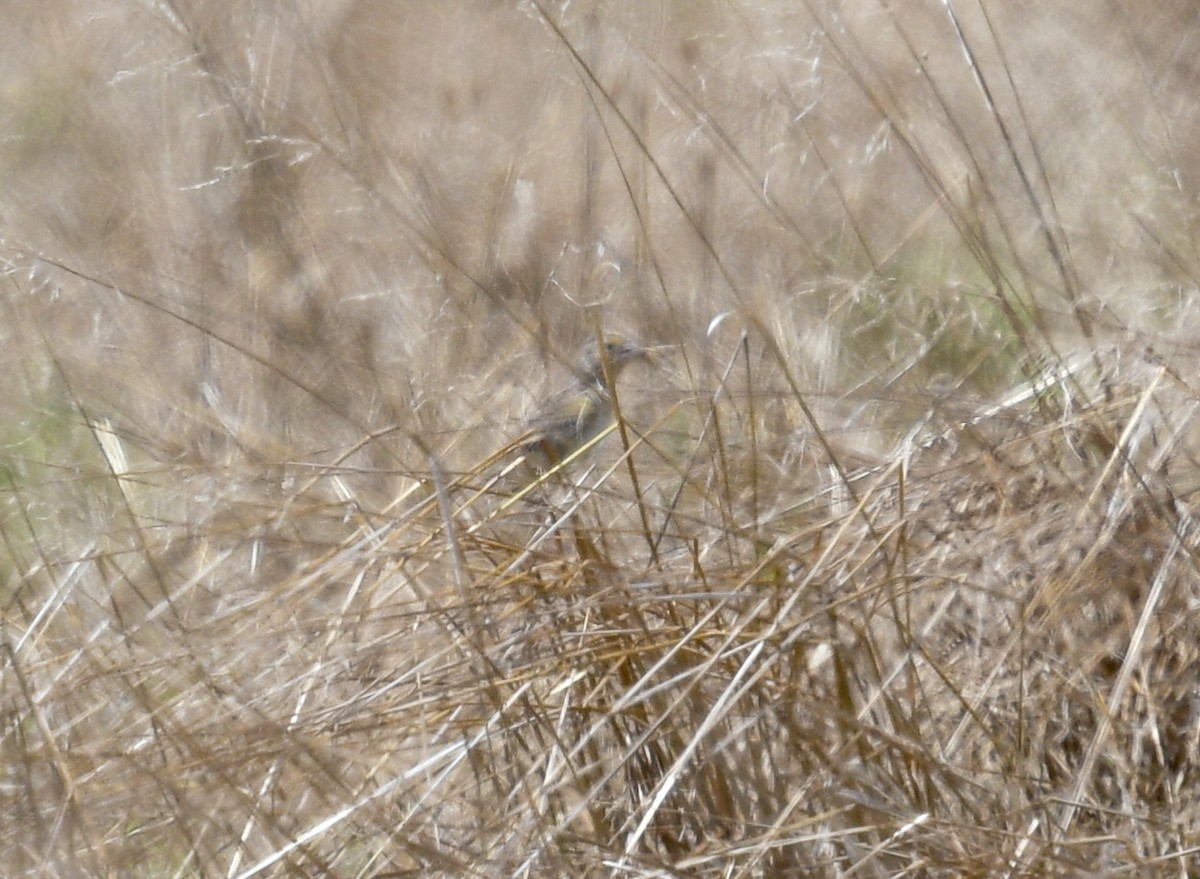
x,y
890,569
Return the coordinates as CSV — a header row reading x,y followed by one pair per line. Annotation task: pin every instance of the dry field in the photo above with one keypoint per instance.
x,y
888,568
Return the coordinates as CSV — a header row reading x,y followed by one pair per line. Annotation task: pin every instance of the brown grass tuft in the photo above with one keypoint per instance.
x,y
888,568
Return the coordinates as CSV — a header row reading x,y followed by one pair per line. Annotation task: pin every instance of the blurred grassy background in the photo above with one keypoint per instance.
x,y
898,577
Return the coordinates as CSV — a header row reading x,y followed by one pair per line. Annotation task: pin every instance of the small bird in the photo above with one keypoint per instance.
x,y
576,416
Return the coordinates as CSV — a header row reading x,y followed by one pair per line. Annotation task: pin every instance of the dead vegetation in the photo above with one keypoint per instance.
x,y
889,568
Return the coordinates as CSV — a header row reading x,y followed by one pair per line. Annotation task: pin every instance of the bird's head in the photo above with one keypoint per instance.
x,y
616,353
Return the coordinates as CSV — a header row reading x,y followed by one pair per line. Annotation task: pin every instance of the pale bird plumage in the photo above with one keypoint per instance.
x,y
576,416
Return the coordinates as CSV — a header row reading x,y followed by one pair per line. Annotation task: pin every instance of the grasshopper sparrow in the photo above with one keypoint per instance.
x,y
574,417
